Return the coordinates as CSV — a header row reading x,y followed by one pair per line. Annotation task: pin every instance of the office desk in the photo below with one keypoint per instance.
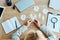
x,y
9,13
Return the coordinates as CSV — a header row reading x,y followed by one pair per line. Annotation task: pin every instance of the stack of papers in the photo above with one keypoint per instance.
x,y
24,4
11,25
55,4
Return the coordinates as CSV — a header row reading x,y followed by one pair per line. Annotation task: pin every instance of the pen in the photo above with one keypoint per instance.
x,y
15,24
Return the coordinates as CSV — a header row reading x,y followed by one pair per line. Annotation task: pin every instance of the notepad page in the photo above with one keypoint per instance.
x,y
50,24
12,21
7,26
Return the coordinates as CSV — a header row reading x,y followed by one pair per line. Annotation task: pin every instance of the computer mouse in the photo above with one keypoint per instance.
x,y
8,2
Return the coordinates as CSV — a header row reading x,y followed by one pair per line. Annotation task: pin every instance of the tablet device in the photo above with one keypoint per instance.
x,y
1,11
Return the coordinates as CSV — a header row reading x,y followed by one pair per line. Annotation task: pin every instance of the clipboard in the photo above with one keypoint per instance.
x,y
51,18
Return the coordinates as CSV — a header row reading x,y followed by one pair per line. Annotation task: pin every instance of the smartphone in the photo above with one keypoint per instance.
x,y
1,11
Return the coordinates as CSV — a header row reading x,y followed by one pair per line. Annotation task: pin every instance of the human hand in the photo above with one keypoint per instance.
x,y
28,22
37,23
41,36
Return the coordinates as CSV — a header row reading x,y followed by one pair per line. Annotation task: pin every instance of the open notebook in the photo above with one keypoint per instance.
x,y
11,25
24,4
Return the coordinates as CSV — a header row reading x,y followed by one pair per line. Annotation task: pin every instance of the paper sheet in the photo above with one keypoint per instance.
x,y
39,15
36,8
50,24
45,11
33,16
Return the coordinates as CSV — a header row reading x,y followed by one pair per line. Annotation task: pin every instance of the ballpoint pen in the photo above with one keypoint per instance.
x,y
15,24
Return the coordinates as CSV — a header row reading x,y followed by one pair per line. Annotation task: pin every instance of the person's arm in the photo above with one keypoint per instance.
x,y
45,30
49,33
19,32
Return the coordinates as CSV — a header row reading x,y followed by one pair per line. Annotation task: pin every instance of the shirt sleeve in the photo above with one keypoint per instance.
x,y
19,32
52,38
48,32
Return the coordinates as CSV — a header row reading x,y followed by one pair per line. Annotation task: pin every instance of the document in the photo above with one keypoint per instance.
x,y
53,22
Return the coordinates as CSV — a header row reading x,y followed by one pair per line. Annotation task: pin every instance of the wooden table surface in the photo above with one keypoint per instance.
x,y
9,13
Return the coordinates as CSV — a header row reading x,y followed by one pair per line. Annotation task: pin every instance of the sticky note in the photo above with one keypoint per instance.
x,y
23,17
36,8
33,16
43,18
39,15
45,11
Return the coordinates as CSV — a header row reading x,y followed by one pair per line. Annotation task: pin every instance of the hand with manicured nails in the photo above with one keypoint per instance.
x,y
37,23
28,23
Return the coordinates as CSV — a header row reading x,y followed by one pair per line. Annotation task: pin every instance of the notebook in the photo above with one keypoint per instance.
x,y
11,25
55,4
53,22
24,4
1,11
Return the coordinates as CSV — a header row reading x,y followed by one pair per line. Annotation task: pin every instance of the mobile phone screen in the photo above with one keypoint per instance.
x,y
1,11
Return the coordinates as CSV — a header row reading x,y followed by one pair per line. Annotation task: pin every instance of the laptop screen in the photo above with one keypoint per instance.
x,y
1,11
